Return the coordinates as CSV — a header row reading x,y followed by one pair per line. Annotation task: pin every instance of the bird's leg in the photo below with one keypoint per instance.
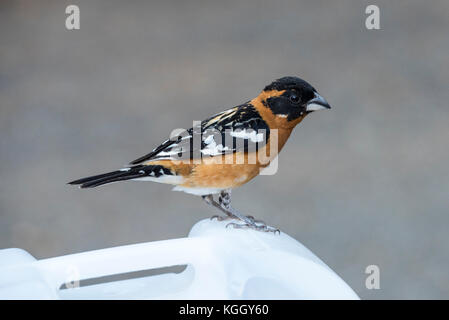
x,y
225,201
224,205
249,222
209,199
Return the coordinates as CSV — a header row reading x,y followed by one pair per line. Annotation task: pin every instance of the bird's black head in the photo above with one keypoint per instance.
x,y
292,98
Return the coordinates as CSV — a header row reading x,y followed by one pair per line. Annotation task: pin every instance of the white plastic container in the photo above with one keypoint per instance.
x,y
222,263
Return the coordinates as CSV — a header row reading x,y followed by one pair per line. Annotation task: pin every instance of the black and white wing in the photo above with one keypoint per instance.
x,y
234,130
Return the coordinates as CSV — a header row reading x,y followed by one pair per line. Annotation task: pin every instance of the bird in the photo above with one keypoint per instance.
x,y
226,150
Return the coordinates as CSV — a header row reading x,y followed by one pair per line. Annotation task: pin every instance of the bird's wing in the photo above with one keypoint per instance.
x,y
234,130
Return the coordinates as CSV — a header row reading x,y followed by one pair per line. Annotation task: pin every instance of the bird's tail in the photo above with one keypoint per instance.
x,y
134,172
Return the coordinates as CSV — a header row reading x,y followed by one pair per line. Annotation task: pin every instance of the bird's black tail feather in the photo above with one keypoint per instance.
x,y
133,172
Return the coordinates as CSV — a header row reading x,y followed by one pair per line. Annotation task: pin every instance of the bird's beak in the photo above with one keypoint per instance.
x,y
317,103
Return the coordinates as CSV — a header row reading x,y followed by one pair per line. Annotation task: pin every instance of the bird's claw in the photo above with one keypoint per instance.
x,y
263,228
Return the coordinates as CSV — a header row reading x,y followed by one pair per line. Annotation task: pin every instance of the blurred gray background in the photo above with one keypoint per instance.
x,y
364,183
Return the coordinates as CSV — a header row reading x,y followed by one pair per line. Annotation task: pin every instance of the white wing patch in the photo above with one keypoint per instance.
x,y
209,139
252,135
212,149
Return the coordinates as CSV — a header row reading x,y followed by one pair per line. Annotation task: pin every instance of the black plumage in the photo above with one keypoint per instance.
x,y
134,172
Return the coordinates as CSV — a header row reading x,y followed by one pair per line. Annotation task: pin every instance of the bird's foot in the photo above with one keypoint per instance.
x,y
254,220
224,218
257,227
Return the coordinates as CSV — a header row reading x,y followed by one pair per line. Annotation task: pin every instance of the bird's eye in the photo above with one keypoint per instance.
x,y
294,98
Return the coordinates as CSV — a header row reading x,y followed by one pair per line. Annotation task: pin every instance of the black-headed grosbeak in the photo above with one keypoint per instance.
x,y
226,150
